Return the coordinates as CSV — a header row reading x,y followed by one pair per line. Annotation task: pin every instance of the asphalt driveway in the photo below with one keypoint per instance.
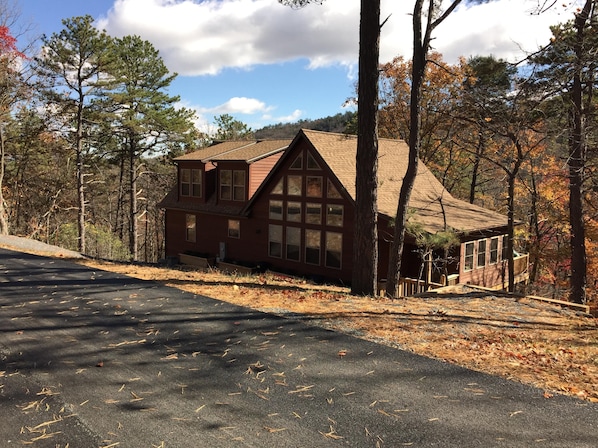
x,y
95,359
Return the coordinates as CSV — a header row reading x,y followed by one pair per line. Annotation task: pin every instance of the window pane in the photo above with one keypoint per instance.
x,y
334,215
505,249
197,190
468,263
294,185
294,211
276,210
190,228
225,185
494,250
185,182
332,192
313,213
312,246
234,228
196,177
277,188
314,186
311,162
297,163
275,241
293,243
334,249
481,253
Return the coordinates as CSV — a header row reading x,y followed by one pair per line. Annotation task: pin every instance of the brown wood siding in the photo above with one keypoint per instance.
x,y
259,170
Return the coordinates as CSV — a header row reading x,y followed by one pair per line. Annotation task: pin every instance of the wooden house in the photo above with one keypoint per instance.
x,y
289,206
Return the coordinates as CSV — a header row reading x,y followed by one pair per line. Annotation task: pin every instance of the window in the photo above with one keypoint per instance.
x,y
313,213
312,246
334,215
191,182
232,185
238,185
190,228
185,182
311,162
275,209
293,246
494,250
481,253
277,188
331,191
314,186
275,241
334,249
225,185
294,211
234,228
294,184
468,262
297,163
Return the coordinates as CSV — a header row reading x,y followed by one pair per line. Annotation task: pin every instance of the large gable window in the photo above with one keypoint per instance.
x,y
334,215
293,243
312,246
334,249
314,186
294,184
190,182
275,210
294,211
275,241
313,213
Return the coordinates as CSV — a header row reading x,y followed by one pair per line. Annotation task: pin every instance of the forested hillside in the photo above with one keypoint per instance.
x,y
88,133
337,123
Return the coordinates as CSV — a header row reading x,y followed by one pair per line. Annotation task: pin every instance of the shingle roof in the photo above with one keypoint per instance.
x,y
428,198
239,150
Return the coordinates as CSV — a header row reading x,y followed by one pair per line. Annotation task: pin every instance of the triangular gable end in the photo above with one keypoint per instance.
x,y
312,160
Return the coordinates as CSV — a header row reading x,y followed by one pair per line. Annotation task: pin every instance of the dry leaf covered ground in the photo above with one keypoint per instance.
x,y
536,343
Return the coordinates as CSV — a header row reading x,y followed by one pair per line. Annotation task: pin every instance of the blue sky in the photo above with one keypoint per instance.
x,y
265,63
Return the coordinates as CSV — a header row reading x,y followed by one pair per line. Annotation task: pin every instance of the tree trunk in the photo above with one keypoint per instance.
x,y
365,247
133,201
80,177
419,65
577,157
475,168
3,212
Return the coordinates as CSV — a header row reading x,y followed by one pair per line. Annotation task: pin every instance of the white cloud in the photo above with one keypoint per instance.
x,y
204,37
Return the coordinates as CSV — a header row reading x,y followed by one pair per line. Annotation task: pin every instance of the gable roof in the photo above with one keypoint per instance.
x,y
431,202
236,150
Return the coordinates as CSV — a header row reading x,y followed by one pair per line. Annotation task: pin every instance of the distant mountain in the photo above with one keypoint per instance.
x,y
336,123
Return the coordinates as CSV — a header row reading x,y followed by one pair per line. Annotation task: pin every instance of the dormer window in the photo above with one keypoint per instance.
x,y
191,182
232,185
